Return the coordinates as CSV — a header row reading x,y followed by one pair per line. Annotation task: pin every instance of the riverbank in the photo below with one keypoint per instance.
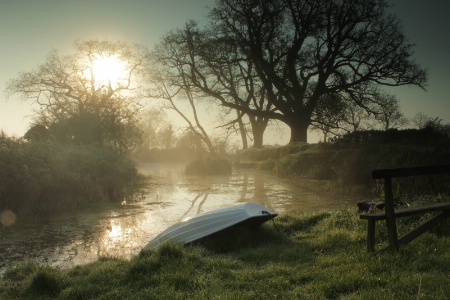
x,y
347,162
81,236
311,256
46,177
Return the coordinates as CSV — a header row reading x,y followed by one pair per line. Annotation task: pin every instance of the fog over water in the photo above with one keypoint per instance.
x,y
123,230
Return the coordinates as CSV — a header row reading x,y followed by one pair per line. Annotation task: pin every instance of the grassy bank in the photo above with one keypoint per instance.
x,y
348,161
314,256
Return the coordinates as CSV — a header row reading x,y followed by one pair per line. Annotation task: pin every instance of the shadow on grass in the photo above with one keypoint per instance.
x,y
278,230
242,236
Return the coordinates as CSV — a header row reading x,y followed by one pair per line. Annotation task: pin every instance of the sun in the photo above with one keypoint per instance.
x,y
109,71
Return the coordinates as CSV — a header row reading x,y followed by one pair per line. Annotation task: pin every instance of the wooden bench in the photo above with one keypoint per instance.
x,y
390,214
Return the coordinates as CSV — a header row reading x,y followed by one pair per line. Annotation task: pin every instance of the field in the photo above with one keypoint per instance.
x,y
313,256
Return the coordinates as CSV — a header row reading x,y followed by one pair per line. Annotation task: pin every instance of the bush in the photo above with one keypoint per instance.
x,y
208,166
46,176
45,282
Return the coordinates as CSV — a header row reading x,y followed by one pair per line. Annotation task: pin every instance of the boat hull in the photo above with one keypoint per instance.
x,y
192,229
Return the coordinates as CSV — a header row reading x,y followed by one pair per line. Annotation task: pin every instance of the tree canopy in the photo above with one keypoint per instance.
x,y
92,94
296,53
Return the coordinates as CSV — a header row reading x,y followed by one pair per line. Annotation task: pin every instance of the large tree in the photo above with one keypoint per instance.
x,y
302,50
208,66
94,91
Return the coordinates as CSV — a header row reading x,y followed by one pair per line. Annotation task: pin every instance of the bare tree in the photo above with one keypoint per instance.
x,y
70,89
335,114
157,131
388,113
172,89
422,120
355,118
302,50
212,67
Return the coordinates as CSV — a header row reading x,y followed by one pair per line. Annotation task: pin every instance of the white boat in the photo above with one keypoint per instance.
x,y
195,228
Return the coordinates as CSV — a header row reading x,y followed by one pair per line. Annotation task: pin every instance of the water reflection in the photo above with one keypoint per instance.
x,y
123,230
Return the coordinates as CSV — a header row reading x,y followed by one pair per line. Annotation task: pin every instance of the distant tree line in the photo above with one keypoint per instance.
x,y
162,141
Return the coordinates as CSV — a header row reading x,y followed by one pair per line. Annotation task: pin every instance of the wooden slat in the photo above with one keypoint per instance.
x,y
415,171
422,228
405,212
390,214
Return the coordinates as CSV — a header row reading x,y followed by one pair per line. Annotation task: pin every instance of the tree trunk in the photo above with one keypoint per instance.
x,y
259,125
242,131
258,137
299,131
208,144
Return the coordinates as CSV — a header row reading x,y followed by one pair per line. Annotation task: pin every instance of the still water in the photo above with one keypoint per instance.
x,y
123,230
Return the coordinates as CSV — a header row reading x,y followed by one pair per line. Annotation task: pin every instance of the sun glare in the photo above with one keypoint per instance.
x,y
109,70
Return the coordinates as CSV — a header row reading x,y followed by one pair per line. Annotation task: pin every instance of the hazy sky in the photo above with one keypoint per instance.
x,y
29,29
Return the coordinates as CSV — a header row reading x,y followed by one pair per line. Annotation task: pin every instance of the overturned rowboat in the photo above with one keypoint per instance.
x,y
192,229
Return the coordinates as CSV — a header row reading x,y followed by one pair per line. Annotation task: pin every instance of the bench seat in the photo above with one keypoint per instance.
x,y
410,211
390,214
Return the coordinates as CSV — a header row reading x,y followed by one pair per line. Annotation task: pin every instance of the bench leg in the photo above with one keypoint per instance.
x,y
390,214
371,235
424,227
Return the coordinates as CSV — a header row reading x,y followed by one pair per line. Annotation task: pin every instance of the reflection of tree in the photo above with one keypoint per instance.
x,y
244,187
120,233
259,187
259,193
78,238
199,208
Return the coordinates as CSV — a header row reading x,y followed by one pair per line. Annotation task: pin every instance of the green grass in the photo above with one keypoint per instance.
x,y
314,256
349,163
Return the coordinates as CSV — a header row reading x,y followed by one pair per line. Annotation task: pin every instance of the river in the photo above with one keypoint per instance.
x,y
122,230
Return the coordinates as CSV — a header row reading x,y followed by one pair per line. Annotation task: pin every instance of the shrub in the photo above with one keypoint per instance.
x,y
208,166
45,282
45,176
